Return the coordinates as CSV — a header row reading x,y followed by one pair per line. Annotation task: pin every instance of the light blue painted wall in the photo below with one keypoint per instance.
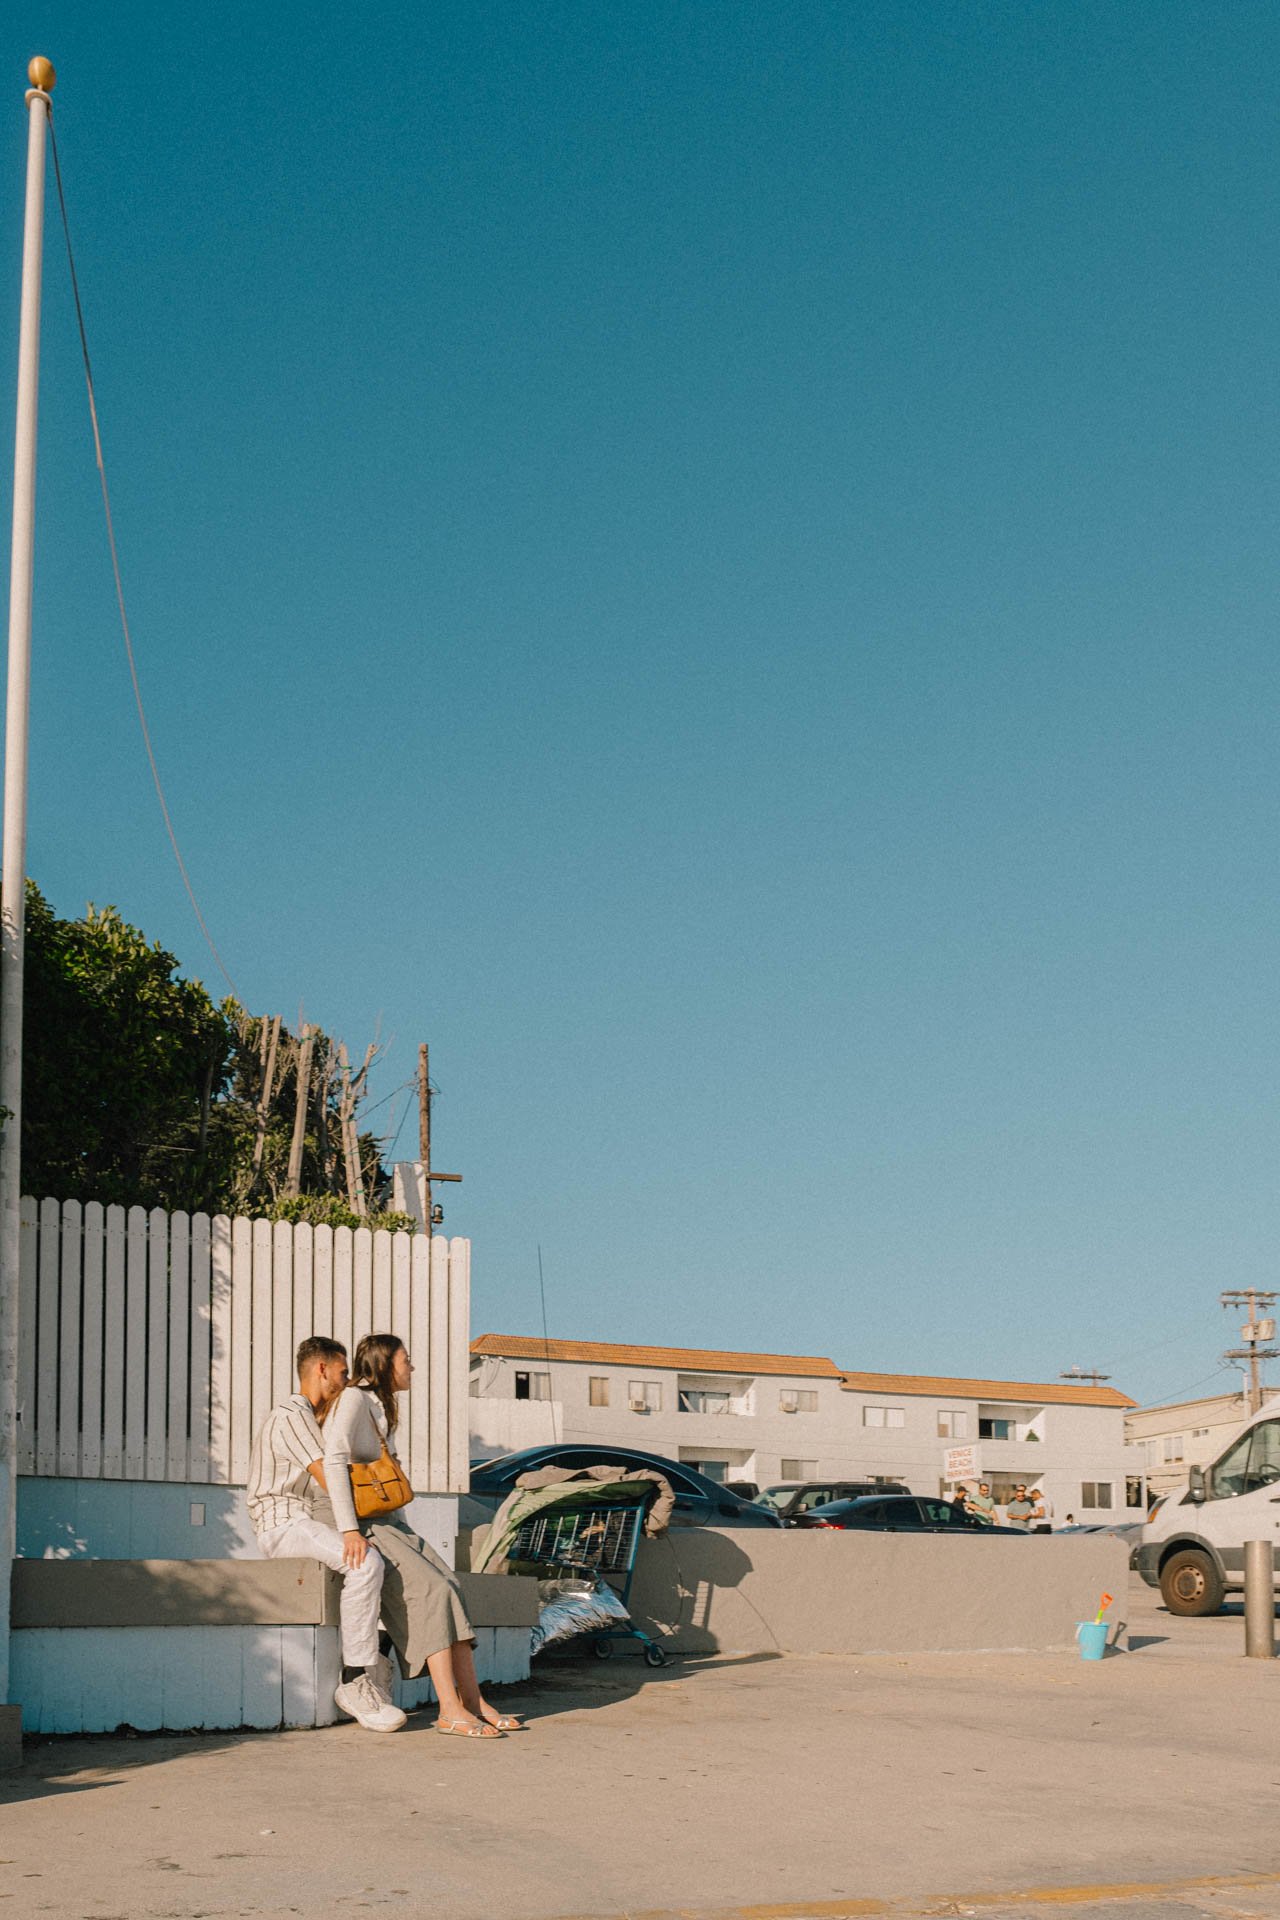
x,y
159,1520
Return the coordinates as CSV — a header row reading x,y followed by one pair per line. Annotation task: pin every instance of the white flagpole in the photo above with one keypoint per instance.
x,y
13,845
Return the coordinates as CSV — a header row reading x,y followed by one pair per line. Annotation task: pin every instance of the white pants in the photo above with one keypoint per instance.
x,y
361,1586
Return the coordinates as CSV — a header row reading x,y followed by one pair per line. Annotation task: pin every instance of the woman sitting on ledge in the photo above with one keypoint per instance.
x,y
422,1606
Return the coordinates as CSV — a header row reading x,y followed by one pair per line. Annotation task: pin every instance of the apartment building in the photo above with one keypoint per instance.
x,y
768,1417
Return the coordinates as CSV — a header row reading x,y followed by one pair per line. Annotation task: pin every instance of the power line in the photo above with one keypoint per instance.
x,y
404,1115
412,1081
115,568
1169,1398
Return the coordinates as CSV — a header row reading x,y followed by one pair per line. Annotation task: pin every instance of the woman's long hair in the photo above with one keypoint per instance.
x,y
375,1357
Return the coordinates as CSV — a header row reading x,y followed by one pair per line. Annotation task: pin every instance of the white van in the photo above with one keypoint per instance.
x,y
1193,1543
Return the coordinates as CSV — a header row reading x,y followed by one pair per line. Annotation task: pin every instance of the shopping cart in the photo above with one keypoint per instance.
x,y
589,1543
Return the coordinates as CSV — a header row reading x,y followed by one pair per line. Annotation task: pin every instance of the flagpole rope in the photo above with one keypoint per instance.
x,y
115,568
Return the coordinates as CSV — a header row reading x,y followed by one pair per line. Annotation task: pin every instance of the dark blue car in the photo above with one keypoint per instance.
x,y
897,1513
699,1502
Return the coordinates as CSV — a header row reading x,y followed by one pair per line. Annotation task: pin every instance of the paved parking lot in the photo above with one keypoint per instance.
x,y
930,1784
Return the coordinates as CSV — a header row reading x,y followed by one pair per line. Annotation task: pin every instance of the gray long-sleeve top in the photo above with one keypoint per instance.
x,y
355,1430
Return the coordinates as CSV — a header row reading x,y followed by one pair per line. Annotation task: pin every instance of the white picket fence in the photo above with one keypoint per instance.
x,y
152,1345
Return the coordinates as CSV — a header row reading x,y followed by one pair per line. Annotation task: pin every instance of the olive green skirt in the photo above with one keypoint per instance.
x,y
422,1606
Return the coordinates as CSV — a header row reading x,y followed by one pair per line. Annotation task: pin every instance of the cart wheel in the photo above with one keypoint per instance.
x,y
603,1649
654,1657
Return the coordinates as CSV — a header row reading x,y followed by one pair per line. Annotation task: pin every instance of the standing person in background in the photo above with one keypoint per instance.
x,y
1019,1510
960,1498
1041,1512
422,1606
982,1504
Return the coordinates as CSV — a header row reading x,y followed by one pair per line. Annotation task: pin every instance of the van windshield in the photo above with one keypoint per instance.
x,y
1253,1462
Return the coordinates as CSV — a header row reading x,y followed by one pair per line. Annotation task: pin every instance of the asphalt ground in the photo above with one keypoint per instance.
x,y
721,1789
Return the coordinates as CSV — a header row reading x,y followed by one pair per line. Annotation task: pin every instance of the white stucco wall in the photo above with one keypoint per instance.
x,y
166,1520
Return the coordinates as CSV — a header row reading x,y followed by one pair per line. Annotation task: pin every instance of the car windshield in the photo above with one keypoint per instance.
x,y
775,1498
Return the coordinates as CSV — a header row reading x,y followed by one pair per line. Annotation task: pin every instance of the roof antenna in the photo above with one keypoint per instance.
x,y
546,1346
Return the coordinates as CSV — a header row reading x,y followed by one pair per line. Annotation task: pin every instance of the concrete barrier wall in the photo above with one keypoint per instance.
x,y
701,1590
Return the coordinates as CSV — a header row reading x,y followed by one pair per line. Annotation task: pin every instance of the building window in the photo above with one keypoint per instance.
x,y
799,1469
533,1386
598,1390
1199,1433
953,1423
1134,1493
798,1399
645,1396
883,1417
1174,1446
991,1429
1095,1493
702,1400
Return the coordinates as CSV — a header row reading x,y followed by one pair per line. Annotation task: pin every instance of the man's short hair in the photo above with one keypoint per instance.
x,y
317,1347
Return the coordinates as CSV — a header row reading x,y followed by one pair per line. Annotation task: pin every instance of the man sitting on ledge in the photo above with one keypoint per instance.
x,y
293,1520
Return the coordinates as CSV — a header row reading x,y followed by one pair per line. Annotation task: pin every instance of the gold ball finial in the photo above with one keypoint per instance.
x,y
41,74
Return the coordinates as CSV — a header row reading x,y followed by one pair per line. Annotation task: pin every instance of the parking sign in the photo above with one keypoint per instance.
x,y
961,1463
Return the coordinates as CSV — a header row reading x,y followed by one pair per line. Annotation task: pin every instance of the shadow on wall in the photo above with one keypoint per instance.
x,y
702,1590
69,1519
683,1582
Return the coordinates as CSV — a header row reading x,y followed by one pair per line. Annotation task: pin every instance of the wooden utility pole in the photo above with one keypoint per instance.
x,y
424,1138
301,1101
1258,1334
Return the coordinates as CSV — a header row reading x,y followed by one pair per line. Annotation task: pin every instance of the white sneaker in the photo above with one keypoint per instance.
x,y
382,1672
364,1701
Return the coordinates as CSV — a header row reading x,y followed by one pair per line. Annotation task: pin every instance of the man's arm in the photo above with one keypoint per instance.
x,y
354,1545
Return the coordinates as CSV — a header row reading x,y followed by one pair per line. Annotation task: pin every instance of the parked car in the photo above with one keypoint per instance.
x,y
791,1498
896,1513
1130,1531
699,1502
1193,1543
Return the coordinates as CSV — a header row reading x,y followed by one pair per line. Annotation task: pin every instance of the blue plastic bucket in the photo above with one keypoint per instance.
x,y
1092,1635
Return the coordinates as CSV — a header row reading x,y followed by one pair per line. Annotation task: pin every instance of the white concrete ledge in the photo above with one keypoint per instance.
x,y
173,1593
220,1593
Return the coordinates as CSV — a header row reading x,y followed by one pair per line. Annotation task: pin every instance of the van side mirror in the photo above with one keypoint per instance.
x,y
1195,1484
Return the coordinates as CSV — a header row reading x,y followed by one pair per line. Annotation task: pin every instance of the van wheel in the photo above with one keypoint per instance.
x,y
1190,1583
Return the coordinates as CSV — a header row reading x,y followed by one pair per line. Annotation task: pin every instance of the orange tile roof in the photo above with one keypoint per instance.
x,y
692,1359
1058,1392
516,1346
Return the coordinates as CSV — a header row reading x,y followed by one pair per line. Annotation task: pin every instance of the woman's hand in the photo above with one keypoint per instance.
x,y
354,1549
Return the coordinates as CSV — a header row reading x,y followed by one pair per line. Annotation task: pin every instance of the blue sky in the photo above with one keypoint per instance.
x,y
717,563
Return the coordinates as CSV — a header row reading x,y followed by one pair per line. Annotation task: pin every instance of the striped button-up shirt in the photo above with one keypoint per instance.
x,y
280,1488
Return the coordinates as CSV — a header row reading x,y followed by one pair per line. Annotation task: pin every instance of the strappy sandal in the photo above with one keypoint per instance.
x,y
506,1723
468,1729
